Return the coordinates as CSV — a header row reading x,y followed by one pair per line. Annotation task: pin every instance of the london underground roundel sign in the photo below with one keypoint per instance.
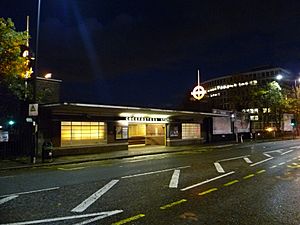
x,y
198,92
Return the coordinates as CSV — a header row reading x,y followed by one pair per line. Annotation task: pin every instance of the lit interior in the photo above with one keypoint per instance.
x,y
80,133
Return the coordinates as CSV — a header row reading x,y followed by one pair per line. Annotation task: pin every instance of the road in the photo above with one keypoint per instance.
x,y
251,183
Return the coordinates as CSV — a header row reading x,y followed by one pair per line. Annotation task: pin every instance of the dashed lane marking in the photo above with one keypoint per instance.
x,y
130,219
248,176
207,181
173,204
208,191
94,197
231,183
280,164
261,171
272,167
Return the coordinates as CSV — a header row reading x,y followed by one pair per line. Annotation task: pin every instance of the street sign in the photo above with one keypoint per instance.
x,y
33,110
4,136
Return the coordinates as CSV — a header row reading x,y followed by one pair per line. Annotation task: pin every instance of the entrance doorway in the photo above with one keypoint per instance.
x,y
146,134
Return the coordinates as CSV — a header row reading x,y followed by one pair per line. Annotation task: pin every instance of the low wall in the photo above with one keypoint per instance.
x,y
93,149
179,142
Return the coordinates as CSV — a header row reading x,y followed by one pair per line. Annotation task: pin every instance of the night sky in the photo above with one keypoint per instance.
x,y
146,53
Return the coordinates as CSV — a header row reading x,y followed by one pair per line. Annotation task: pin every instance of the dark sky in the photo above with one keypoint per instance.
x,y
146,53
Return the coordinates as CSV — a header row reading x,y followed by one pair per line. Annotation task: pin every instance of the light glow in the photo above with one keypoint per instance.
x,y
125,114
279,77
269,129
123,123
48,75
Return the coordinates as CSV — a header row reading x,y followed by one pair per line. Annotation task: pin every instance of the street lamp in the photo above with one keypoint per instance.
x,y
279,77
296,81
48,75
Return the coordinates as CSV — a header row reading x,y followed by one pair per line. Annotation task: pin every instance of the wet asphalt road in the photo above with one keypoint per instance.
x,y
253,183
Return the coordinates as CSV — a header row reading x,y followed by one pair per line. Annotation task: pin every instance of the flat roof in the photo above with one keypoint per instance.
x,y
113,110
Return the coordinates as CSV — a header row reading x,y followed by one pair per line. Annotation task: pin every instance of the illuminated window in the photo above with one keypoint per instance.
x,y
82,133
190,130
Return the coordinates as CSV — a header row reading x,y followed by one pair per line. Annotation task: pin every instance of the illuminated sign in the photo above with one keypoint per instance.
x,y
198,91
146,119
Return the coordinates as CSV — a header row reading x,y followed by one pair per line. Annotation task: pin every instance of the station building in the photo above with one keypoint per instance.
x,y
76,128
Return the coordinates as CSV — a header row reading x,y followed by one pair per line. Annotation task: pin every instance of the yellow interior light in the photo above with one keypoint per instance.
x,y
269,129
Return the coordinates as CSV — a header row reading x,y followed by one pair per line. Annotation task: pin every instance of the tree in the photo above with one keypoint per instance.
x,y
13,66
273,101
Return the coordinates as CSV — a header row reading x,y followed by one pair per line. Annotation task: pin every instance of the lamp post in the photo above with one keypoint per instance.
x,y
35,122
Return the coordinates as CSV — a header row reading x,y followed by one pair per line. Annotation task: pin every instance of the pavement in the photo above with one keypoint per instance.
x,y
25,162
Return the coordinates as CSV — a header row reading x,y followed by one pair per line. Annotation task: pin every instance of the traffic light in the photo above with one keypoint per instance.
x,y
293,122
11,122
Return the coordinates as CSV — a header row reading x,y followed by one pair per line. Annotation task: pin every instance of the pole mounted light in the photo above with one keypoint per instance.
x,y
279,77
48,75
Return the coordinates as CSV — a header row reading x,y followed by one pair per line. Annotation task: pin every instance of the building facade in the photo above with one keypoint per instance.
x,y
221,91
88,128
234,92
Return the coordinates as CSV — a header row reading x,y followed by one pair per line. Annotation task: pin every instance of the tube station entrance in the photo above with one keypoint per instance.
x,y
142,134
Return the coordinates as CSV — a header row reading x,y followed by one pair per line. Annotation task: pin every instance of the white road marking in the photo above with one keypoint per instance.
x,y
295,158
287,152
174,180
272,167
154,172
229,159
71,169
30,192
219,168
90,200
247,160
207,181
223,146
50,220
280,164
289,160
6,199
4,177
99,217
265,160
266,153
295,147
